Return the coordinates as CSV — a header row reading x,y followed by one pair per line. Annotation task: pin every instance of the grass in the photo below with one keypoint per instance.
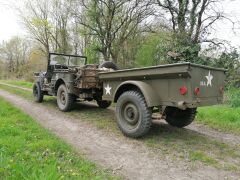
x,y
28,151
18,92
223,117
181,144
24,84
198,155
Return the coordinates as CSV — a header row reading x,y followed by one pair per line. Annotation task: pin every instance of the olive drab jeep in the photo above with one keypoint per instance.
x,y
69,77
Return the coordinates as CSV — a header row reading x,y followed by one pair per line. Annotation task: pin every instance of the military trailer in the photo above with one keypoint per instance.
x,y
175,91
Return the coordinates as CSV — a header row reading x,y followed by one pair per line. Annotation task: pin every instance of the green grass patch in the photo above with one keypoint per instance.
x,y
28,151
16,91
234,97
24,84
223,117
200,156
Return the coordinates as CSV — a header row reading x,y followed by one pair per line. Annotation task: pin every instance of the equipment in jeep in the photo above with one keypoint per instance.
x,y
175,91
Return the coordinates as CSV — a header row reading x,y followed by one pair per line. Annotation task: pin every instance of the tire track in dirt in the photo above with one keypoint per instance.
x,y
133,161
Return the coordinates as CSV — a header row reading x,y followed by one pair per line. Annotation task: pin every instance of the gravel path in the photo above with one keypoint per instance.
x,y
131,160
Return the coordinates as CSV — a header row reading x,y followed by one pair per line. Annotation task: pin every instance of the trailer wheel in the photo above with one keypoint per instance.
x,y
65,100
108,65
180,118
37,93
104,104
134,118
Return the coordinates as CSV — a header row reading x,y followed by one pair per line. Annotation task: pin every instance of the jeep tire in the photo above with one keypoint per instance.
x,y
37,93
65,100
108,65
180,118
134,118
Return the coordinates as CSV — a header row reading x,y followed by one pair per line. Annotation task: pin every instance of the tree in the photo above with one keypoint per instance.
x,y
231,61
35,16
192,18
14,54
112,22
50,23
190,21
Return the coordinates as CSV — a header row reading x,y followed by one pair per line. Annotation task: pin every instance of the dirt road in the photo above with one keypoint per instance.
x,y
123,156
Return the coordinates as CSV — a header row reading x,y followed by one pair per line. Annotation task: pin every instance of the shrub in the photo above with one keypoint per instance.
x,y
234,97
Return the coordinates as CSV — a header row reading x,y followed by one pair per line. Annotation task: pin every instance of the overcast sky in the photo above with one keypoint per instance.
x,y
10,25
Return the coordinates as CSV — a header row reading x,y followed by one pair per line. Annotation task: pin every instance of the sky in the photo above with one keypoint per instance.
x,y
11,26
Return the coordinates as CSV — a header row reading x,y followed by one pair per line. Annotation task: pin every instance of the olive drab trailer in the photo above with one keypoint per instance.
x,y
175,91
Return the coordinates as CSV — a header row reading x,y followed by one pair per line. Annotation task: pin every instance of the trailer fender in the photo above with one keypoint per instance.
x,y
151,97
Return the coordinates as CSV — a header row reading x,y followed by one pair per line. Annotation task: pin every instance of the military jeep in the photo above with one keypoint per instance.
x,y
69,77
173,90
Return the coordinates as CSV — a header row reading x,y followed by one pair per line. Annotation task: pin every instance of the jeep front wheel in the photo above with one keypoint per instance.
x,y
65,100
37,93
134,118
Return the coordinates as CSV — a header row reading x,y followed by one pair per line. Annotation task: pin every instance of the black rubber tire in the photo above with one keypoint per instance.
x,y
104,104
37,93
108,65
132,124
65,100
180,118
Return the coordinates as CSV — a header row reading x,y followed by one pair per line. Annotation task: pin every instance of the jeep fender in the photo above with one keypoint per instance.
x,y
58,83
151,97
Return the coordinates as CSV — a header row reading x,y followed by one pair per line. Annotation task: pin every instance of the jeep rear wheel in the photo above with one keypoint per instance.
x,y
104,104
37,93
180,118
65,100
134,118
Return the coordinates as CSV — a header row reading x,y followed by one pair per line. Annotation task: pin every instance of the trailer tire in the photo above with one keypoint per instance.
x,y
37,93
134,118
65,100
180,118
108,65
104,104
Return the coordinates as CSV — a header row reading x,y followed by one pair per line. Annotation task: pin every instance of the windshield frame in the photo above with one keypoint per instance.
x,y
67,58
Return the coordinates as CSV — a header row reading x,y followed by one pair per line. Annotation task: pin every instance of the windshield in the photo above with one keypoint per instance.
x,y
71,61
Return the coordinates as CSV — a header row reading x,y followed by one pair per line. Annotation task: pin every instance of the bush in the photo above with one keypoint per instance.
x,y
234,97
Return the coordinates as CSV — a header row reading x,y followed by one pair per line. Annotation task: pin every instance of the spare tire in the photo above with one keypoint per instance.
x,y
108,65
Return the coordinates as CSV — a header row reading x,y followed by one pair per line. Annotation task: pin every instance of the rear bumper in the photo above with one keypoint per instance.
x,y
204,102
196,103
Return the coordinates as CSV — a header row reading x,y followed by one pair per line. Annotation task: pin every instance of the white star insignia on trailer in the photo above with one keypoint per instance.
x,y
108,90
209,79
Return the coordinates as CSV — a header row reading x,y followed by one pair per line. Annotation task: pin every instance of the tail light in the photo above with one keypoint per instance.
x,y
183,90
197,91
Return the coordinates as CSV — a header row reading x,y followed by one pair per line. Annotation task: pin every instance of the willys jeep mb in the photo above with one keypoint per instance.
x,y
174,90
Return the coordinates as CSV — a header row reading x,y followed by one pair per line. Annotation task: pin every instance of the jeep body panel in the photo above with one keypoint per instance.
x,y
161,85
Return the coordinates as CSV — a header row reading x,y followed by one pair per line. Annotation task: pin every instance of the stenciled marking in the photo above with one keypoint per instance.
x,y
209,78
108,89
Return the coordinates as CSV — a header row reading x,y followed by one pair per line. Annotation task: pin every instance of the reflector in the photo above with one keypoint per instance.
x,y
197,91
